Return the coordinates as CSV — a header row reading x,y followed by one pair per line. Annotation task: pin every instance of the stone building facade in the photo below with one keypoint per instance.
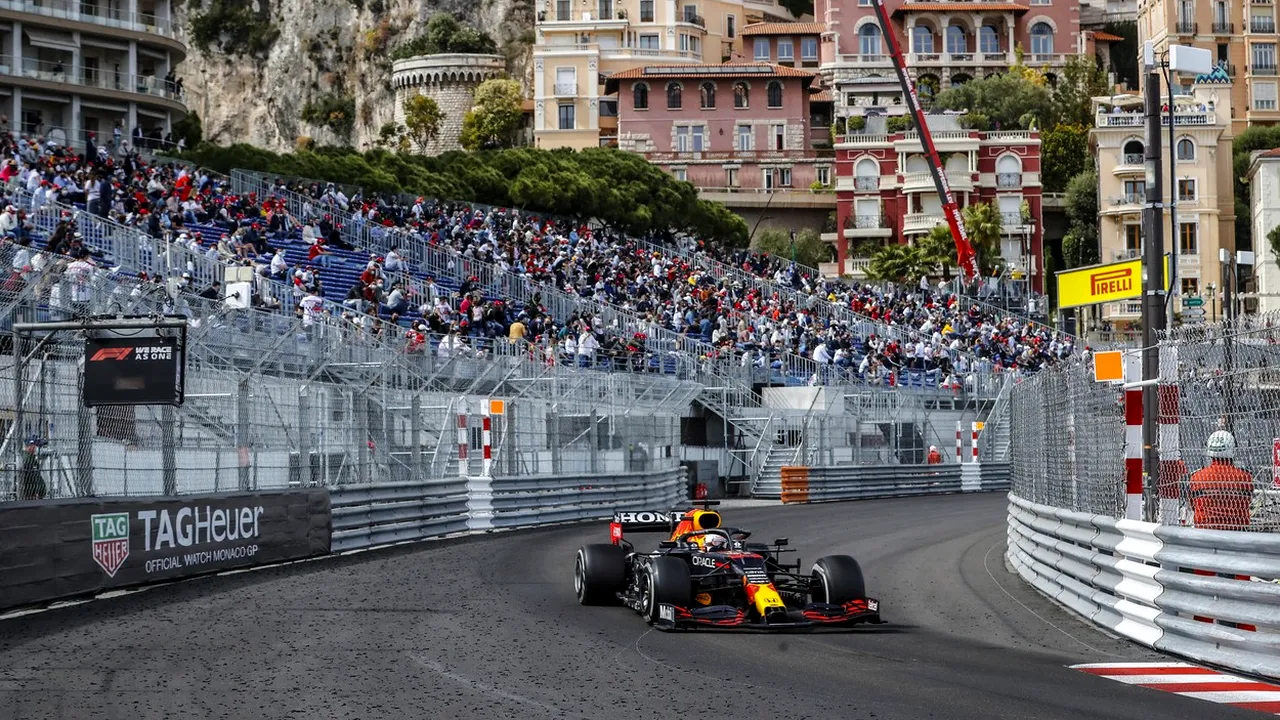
x,y
449,79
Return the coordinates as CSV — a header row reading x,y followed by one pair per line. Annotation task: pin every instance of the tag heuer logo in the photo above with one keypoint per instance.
x,y
110,541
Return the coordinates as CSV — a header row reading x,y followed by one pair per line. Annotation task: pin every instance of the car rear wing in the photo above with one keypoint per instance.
x,y
642,521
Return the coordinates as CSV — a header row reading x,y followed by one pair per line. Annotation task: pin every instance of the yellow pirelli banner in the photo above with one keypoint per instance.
x,y
1103,283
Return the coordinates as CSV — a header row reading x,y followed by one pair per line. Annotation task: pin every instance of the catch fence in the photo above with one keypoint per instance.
x,y
1070,435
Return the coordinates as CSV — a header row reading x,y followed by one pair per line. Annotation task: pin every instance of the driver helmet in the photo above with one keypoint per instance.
x,y
714,543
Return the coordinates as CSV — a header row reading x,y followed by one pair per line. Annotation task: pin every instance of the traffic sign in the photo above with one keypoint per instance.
x,y
1193,312
1192,302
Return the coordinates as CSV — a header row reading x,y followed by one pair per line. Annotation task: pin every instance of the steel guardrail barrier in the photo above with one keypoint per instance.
x,y
1207,595
864,482
380,513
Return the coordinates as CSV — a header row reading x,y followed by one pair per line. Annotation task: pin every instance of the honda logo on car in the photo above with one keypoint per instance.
x,y
644,516
187,527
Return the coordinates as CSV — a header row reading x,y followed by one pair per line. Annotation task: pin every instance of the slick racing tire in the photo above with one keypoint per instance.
x,y
599,573
837,579
665,581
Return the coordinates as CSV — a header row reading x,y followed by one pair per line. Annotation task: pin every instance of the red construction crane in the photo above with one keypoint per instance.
x,y
964,249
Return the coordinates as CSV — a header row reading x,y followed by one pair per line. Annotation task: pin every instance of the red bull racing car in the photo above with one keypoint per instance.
x,y
707,575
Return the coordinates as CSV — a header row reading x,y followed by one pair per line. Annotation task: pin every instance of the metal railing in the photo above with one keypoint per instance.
x,y
89,77
106,16
1009,180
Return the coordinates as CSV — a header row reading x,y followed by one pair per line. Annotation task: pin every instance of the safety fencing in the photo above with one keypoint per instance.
x,y
822,484
1208,595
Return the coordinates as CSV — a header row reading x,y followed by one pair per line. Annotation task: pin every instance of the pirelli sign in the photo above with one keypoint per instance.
x,y
1103,283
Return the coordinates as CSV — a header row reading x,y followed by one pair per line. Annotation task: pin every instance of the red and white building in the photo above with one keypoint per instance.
x,y
885,192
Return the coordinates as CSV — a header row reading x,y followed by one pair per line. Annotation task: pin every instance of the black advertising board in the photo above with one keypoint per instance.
x,y
133,371
59,548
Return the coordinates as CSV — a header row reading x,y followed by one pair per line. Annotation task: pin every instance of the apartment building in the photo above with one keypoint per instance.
x,y
946,43
1242,36
1264,200
1206,213
72,67
580,44
741,132
789,44
885,192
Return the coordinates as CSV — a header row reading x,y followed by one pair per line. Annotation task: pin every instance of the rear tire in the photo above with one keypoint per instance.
x,y
599,573
668,583
837,579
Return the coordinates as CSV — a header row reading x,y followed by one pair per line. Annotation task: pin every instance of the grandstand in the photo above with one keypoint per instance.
x,y
787,364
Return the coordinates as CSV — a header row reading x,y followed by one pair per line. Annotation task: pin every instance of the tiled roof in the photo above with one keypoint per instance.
x,y
743,69
824,96
1107,37
960,7
771,28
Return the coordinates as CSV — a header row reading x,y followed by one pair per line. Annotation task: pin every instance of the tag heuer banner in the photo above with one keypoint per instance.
x,y
61,548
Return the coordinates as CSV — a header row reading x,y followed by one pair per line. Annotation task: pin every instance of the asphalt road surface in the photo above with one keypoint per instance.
x,y
489,628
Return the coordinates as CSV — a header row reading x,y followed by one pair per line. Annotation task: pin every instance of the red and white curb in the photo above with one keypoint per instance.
x,y
1192,681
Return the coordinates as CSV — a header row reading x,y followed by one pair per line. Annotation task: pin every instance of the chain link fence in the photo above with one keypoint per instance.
x,y
1222,377
273,401
1067,440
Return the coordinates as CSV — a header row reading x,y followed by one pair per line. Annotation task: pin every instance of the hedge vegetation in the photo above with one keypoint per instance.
x,y
619,189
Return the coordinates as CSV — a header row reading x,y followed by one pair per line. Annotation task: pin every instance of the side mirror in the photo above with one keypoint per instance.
x,y
780,542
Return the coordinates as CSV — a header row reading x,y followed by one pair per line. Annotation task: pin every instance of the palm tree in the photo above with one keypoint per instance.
x,y
982,222
899,263
939,248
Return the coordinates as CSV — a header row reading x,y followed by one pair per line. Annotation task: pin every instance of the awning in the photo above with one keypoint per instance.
x,y
51,40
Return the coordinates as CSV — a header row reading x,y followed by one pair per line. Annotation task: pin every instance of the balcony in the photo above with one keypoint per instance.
x,y
1262,25
691,19
1013,222
1264,69
1264,105
566,89
1008,180
855,140
1186,28
89,77
865,226
1224,28
923,181
866,184
865,60
1138,120
104,17
1126,204
1048,58
921,222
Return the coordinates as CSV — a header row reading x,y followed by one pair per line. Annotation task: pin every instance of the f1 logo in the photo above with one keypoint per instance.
x,y
119,353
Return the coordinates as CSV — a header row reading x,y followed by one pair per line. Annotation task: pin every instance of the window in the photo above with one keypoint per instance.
x,y
567,117
1041,39
707,95
564,10
1186,12
869,39
608,108
775,94
762,49
744,138
731,26
741,95
823,175
784,177
1135,191
767,176
606,9
566,81
1187,239
673,96
649,42
922,39
680,174
1264,95
1190,287
1041,2
1186,149
779,135
731,177
1133,239
697,135
682,139
691,14
809,48
957,41
1186,190
640,96
646,10
786,50
1264,56
989,40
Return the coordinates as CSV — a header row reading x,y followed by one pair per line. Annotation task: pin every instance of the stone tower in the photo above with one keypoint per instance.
x,y
449,79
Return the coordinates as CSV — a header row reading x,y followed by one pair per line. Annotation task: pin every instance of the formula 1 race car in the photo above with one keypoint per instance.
x,y
706,575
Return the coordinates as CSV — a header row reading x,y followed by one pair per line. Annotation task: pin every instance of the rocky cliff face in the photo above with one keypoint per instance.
x,y
326,47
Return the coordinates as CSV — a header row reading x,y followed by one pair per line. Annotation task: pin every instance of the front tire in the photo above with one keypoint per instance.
x,y
599,573
837,579
666,583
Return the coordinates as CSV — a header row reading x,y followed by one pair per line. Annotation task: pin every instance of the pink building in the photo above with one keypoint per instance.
x,y
732,128
885,192
946,43
789,44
